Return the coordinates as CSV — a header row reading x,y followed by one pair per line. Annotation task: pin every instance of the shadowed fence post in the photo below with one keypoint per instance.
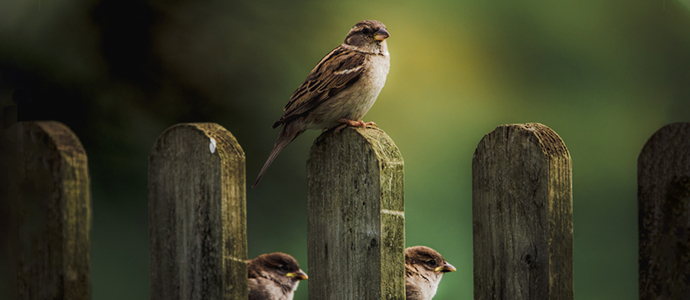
x,y
356,221
522,215
663,178
49,211
197,214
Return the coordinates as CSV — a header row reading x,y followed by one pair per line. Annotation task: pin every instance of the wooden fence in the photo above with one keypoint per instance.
x,y
522,214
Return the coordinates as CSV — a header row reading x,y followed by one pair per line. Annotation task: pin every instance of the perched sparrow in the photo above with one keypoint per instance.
x,y
424,268
274,276
340,89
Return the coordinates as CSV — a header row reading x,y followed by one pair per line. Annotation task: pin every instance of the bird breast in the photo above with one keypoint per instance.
x,y
373,80
376,76
354,102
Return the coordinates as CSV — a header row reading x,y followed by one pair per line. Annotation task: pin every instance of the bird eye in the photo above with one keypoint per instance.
x,y
284,267
432,262
366,30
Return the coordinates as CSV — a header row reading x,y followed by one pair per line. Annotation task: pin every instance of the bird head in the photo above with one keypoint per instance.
x,y
367,33
281,264
428,259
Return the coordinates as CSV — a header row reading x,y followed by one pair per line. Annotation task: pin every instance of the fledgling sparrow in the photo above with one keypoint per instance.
x,y
340,90
273,276
424,268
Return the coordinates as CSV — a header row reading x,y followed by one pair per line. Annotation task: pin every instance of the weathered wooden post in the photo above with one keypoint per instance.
x,y
197,214
46,182
356,221
522,215
663,178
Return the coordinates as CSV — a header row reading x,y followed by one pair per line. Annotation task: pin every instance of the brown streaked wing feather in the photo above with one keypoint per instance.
x,y
411,290
256,291
253,269
323,82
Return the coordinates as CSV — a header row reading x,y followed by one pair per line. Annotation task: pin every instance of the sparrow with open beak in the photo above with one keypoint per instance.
x,y
273,276
424,268
340,90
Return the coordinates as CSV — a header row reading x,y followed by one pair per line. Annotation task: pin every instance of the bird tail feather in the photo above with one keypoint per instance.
x,y
283,140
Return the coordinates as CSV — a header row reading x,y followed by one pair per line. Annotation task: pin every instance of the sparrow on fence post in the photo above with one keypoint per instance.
x,y
424,268
340,89
273,276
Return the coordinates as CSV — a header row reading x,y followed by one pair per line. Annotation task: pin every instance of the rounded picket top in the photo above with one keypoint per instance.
x,y
522,214
663,178
356,218
197,214
50,210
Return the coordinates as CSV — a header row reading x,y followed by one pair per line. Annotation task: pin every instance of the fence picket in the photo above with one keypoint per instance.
x,y
663,176
49,211
197,214
522,215
356,222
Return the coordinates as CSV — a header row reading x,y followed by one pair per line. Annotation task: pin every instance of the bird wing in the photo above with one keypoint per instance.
x,y
336,71
258,290
412,292
253,270
257,283
412,284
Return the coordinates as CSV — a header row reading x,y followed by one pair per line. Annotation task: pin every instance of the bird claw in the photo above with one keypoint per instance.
x,y
352,123
359,123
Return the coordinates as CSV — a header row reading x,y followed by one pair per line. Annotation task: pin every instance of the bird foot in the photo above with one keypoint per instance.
x,y
352,123
371,124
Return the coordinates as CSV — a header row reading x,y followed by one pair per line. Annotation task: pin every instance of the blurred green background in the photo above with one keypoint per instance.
x,y
604,74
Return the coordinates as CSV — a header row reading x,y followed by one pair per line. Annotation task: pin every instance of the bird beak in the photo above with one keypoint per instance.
x,y
381,34
299,275
445,268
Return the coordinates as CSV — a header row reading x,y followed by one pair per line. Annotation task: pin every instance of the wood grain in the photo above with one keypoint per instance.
x,y
522,215
49,211
197,214
663,176
356,222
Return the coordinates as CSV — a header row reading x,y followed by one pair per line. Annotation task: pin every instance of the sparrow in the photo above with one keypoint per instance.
x,y
273,276
340,89
424,268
